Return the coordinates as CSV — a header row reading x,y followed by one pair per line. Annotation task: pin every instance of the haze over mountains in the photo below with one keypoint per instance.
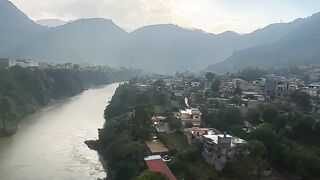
x,y
299,47
50,22
160,48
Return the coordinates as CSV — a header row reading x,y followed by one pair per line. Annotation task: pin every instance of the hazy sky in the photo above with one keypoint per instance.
x,y
215,16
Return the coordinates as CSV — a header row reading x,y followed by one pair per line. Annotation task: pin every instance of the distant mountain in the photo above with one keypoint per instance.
x,y
50,22
15,27
300,46
160,48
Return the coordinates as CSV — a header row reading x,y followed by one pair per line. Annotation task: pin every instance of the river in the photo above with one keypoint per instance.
x,y
50,144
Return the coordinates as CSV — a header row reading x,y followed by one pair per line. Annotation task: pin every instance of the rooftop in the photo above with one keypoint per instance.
x,y
234,140
155,146
156,164
191,111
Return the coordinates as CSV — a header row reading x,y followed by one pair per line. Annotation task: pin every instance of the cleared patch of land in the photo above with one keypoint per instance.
x,y
175,141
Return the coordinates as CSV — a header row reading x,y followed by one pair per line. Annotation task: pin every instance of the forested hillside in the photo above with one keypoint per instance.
x,y
22,90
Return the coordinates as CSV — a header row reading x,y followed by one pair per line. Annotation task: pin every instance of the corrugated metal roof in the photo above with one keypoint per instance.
x,y
156,164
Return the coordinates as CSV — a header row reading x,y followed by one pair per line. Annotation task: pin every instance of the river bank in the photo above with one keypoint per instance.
x,y
23,91
50,143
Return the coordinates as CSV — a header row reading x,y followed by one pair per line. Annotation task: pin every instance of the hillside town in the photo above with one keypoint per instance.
x,y
195,97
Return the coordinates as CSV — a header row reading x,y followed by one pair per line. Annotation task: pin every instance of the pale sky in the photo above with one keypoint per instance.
x,y
216,16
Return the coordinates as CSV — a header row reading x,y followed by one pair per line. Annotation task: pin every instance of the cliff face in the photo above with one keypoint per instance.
x,y
22,91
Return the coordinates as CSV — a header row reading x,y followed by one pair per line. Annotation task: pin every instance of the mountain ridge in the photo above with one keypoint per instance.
x,y
50,22
300,47
159,48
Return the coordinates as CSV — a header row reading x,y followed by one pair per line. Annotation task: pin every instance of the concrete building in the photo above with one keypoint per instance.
x,y
196,133
218,149
278,86
312,89
315,104
190,115
160,124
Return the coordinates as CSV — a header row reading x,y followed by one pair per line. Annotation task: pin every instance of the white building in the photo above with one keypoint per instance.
x,y
191,115
195,134
23,63
218,149
312,89
160,124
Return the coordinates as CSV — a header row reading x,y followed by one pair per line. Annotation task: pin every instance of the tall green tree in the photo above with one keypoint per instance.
x,y
210,76
141,122
215,87
249,162
302,99
269,114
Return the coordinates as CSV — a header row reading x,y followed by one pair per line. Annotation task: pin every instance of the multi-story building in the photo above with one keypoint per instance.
x,y
160,124
190,115
218,149
196,133
312,89
278,86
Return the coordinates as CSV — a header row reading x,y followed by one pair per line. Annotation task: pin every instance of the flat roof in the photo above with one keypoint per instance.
x,y
215,137
250,93
190,111
155,146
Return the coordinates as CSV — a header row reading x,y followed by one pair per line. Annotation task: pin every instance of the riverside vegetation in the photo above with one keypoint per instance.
x,y
286,142
23,90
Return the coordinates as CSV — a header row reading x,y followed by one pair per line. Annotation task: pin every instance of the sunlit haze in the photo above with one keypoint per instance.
x,y
214,16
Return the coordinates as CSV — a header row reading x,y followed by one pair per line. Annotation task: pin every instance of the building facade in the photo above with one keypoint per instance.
x,y
219,149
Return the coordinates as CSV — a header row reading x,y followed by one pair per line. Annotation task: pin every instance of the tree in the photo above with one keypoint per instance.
x,y
302,99
253,116
209,76
280,122
249,162
141,124
173,122
265,134
269,114
228,118
250,74
215,87
148,175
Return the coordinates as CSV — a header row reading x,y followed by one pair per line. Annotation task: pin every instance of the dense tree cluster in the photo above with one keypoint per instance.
x,y
23,90
291,139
